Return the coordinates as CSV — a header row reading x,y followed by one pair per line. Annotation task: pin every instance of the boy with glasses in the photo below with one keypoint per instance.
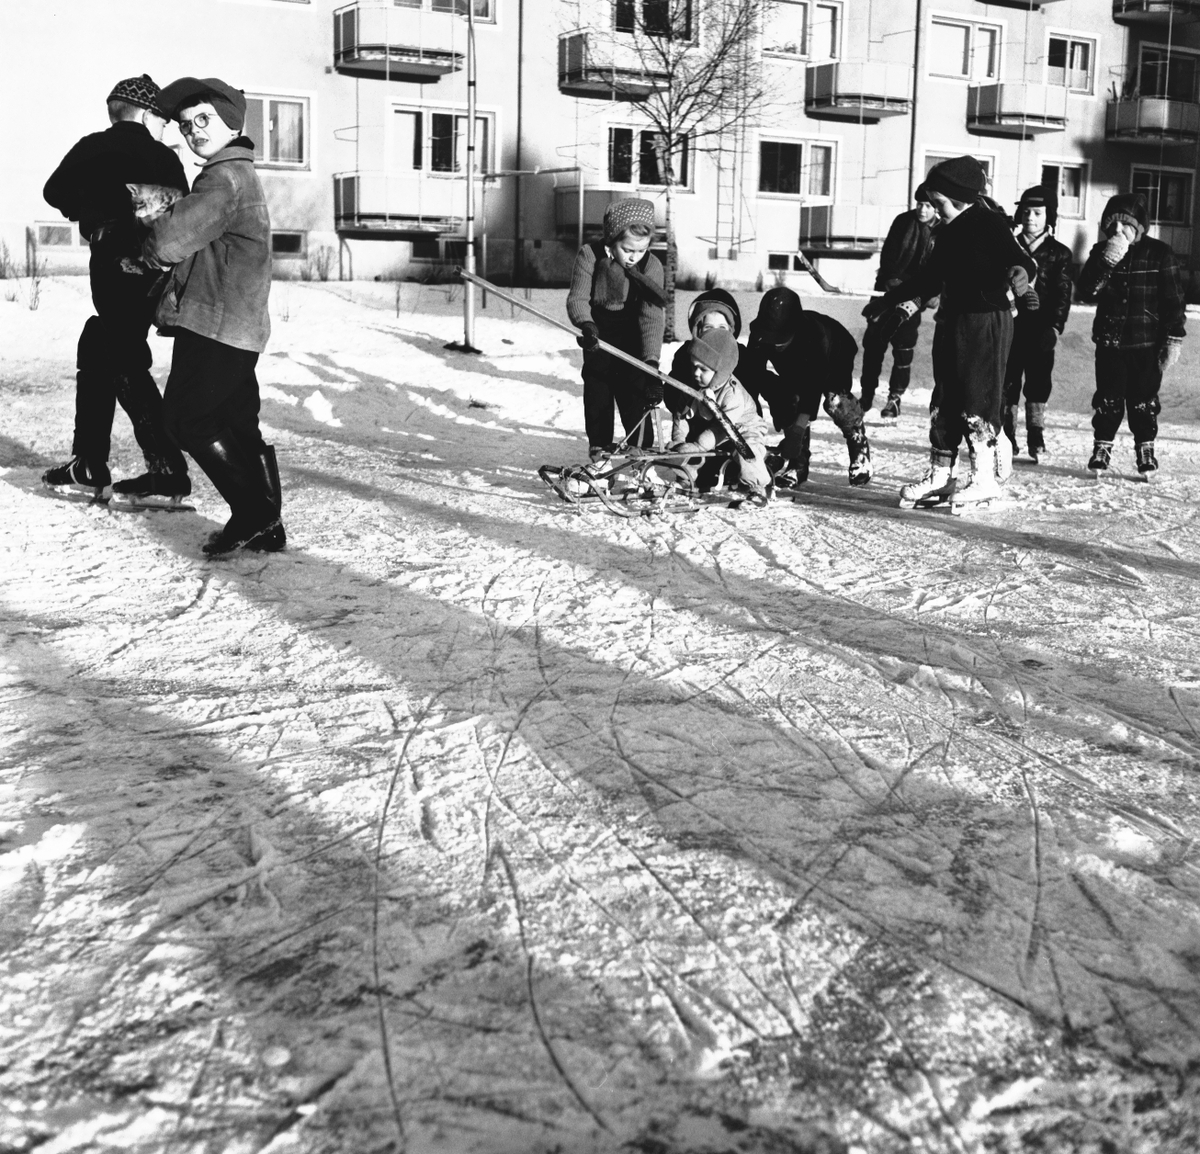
x,y
218,239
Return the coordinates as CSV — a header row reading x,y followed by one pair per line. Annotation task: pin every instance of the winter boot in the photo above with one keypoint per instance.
x,y
159,481
1009,419
1035,422
244,482
982,485
794,452
1147,462
89,478
936,485
891,408
1100,458
273,539
860,456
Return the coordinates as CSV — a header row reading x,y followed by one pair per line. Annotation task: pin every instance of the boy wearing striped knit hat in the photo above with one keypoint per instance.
x,y
616,296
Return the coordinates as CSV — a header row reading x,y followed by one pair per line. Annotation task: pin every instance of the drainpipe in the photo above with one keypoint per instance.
x,y
912,139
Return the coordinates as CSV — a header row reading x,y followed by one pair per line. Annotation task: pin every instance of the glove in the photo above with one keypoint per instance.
x,y
589,337
652,390
895,318
1169,354
1018,279
1047,341
1031,302
1114,250
875,307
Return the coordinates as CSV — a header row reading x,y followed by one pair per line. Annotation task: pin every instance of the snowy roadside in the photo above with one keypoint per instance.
x,y
473,824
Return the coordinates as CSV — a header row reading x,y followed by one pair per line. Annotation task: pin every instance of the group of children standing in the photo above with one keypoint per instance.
x,y
1002,302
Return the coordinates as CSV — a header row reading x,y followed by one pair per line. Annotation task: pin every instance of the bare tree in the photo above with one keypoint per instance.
x,y
702,64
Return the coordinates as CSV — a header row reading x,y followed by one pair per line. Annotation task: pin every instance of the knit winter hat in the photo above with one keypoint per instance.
x,y
921,196
140,91
716,350
962,179
1040,197
716,301
229,102
1128,208
620,214
777,317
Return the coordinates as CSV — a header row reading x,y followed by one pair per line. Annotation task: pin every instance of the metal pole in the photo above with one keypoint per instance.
x,y
469,288
579,223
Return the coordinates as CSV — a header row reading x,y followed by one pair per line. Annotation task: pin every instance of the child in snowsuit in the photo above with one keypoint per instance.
x,y
616,295
218,239
1138,330
713,359
113,358
812,356
909,242
974,267
1036,330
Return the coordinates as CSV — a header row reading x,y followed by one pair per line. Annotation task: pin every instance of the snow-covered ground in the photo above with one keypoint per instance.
x,y
471,823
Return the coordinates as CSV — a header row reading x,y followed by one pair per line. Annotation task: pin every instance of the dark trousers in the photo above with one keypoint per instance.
x,y
113,364
1127,383
970,354
1030,364
875,348
212,393
606,381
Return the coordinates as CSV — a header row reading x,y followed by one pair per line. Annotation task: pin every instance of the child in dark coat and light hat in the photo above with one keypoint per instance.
x,y
976,267
1139,329
616,296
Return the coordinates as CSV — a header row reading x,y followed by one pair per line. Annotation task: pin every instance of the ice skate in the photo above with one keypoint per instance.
x,y
935,488
982,487
789,465
1147,462
154,489
80,480
860,459
891,409
1100,459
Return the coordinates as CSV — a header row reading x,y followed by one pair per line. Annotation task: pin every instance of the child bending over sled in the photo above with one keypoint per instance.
x,y
713,358
616,296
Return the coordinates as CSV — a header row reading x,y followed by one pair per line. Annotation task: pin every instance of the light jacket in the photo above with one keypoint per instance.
x,y
218,238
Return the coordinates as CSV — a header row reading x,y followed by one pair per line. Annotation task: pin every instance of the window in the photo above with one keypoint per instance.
x,y
437,139
278,125
1167,72
1169,194
964,50
795,168
779,261
483,8
669,18
1070,62
785,27
826,29
288,243
1071,182
649,159
56,235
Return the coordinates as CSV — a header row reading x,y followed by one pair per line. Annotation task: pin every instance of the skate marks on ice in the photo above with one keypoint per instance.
x,y
663,841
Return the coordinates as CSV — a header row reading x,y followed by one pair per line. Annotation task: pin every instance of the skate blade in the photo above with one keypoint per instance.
x,y
961,507
127,504
925,503
1148,478
80,494
1096,474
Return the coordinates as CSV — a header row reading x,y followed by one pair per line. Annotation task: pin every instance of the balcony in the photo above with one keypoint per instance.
x,y
397,206
866,91
1016,109
375,41
1152,120
845,229
595,201
1156,11
1026,5
598,67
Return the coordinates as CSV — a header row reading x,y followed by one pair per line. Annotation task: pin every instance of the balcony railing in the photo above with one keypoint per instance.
x,y
1156,11
849,229
397,205
1152,120
1016,109
593,65
567,208
377,41
861,90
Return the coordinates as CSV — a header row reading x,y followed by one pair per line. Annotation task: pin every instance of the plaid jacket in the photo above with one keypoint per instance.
x,y
1139,303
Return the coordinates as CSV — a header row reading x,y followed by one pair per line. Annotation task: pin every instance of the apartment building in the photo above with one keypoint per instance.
x,y
359,112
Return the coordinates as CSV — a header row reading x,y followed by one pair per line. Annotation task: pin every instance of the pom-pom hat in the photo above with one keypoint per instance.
x,y
141,92
229,102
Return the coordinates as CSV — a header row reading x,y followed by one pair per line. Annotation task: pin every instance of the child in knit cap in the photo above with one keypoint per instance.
x,y
977,267
1138,330
712,309
616,296
713,358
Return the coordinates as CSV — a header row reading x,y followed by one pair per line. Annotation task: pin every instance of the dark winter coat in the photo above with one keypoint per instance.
x,y
905,251
969,265
627,309
1139,303
1053,284
89,184
219,240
